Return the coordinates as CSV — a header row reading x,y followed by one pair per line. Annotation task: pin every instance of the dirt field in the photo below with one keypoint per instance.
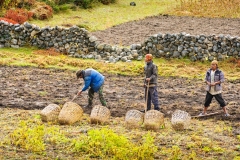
x,y
34,88
137,31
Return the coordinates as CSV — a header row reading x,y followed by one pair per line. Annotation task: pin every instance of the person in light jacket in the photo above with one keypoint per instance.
x,y
214,78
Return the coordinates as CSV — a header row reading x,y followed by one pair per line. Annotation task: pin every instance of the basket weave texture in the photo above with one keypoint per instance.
x,y
153,120
50,113
180,120
70,113
133,119
100,115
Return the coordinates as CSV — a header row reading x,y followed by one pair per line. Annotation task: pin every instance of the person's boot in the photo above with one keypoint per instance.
x,y
143,111
156,108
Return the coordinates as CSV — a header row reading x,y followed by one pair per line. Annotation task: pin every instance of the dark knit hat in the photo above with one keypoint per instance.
x,y
79,73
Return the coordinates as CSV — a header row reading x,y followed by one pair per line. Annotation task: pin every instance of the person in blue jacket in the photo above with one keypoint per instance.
x,y
95,81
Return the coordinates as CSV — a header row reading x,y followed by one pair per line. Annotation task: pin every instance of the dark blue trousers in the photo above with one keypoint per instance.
x,y
152,98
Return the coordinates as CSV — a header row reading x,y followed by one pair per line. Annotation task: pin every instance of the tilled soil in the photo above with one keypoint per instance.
x,y
35,88
135,32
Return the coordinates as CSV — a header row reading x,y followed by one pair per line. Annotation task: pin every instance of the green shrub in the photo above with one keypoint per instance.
x,y
60,8
27,4
59,5
105,144
85,3
7,3
60,2
107,1
29,138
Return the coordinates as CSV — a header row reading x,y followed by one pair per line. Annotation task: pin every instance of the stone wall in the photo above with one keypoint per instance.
x,y
199,47
77,42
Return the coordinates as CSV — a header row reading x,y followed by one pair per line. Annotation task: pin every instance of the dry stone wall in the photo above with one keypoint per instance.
x,y
199,47
77,42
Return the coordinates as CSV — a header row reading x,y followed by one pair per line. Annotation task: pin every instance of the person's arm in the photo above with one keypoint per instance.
x,y
221,78
154,75
145,78
206,79
218,82
208,83
87,81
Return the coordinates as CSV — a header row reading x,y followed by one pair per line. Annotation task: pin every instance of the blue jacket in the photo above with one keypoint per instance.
x,y
219,76
92,78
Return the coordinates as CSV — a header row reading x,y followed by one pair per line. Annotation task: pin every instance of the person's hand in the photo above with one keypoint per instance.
x,y
148,79
213,84
79,93
208,83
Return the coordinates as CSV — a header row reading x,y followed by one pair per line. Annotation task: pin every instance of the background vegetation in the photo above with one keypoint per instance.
x,y
101,14
209,8
166,67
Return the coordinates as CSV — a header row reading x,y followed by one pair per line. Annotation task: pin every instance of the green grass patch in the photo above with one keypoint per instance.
x,y
166,67
101,17
104,16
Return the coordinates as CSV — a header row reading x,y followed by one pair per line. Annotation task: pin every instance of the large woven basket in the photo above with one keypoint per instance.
x,y
133,119
70,113
50,113
153,120
100,115
180,120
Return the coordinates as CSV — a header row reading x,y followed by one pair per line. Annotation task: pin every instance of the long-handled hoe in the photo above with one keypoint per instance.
x,y
146,99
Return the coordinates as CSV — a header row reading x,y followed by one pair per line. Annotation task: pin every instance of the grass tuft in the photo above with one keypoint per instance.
x,y
209,8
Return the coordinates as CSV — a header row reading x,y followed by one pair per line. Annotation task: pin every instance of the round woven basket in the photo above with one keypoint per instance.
x,y
153,120
180,120
100,115
50,113
133,119
70,113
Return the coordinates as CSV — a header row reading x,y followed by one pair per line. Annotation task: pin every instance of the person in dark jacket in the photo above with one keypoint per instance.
x,y
214,78
151,76
95,81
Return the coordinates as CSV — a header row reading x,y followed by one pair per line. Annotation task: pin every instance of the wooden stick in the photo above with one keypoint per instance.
x,y
146,97
209,114
74,97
